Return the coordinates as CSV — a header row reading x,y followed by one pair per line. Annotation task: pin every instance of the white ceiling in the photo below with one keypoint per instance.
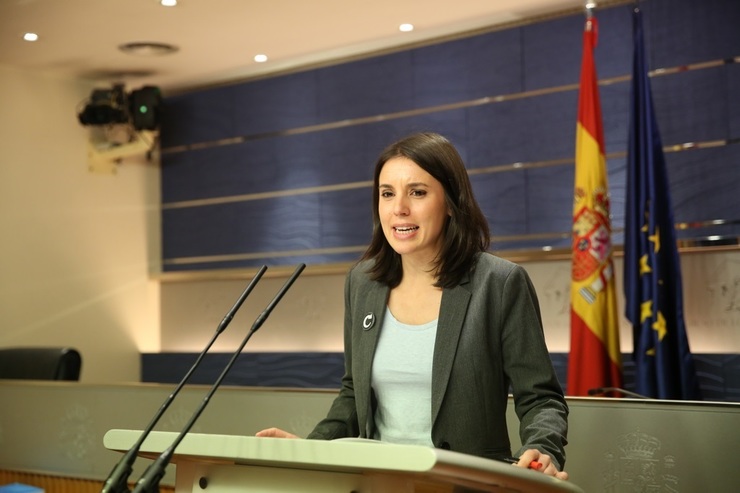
x,y
217,39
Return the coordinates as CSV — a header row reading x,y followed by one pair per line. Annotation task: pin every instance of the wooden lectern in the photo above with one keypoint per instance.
x,y
226,463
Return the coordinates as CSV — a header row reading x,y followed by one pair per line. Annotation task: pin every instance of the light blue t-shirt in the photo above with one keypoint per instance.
x,y
402,381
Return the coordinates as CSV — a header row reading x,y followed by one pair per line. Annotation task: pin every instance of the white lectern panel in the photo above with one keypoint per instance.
x,y
228,463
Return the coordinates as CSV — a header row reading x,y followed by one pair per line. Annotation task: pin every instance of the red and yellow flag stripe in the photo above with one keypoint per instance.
x,y
595,357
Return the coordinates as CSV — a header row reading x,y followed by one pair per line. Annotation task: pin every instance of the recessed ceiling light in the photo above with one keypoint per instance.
x,y
31,36
406,28
147,48
260,58
168,3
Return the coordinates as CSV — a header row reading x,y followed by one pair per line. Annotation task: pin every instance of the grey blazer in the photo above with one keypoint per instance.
x,y
489,341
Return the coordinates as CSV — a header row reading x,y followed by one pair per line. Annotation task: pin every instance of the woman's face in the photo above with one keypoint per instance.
x,y
412,209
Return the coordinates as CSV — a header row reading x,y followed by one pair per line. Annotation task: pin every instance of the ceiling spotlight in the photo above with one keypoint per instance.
x,y
260,58
406,28
168,3
31,36
147,49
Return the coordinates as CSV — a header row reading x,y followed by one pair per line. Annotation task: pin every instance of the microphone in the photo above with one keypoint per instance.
x,y
149,481
118,478
604,390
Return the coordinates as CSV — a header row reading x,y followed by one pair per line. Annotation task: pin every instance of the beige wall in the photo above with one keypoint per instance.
x,y
310,316
76,245
78,249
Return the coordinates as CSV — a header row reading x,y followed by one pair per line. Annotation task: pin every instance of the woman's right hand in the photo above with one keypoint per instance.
x,y
275,433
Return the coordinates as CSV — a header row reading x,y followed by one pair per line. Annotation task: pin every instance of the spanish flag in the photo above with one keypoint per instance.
x,y
595,358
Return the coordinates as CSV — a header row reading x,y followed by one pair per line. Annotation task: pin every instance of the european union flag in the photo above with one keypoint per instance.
x,y
652,272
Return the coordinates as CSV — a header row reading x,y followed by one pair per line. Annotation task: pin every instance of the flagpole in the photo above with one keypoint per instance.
x,y
589,7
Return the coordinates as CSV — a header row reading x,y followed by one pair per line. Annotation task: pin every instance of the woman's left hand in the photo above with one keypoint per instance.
x,y
536,460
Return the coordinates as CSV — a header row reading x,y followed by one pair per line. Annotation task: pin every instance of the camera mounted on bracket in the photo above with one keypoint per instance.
x,y
141,107
123,124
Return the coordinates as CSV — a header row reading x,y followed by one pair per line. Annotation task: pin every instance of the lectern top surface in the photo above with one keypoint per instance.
x,y
346,455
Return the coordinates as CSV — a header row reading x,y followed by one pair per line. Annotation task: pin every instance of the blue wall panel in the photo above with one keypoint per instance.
x,y
467,69
549,199
523,130
692,106
288,162
615,109
690,31
271,225
499,195
552,52
200,173
268,165
276,104
553,49
282,156
366,87
701,173
733,100
300,370
718,374
346,218
200,117
617,171
494,138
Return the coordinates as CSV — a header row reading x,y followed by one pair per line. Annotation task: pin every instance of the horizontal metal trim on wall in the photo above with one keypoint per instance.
x,y
545,252
260,255
437,109
687,146
267,195
341,268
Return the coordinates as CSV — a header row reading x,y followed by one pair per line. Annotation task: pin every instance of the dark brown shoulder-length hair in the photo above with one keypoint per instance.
x,y
466,231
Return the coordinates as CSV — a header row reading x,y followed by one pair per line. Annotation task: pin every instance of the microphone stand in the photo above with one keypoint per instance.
x,y
118,478
149,481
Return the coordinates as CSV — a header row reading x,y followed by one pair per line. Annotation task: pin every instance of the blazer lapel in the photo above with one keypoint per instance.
x,y
374,303
451,317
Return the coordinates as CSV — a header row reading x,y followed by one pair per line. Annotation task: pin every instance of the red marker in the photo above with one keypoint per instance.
x,y
513,460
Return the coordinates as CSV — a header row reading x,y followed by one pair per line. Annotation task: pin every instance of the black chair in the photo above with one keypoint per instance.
x,y
40,363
